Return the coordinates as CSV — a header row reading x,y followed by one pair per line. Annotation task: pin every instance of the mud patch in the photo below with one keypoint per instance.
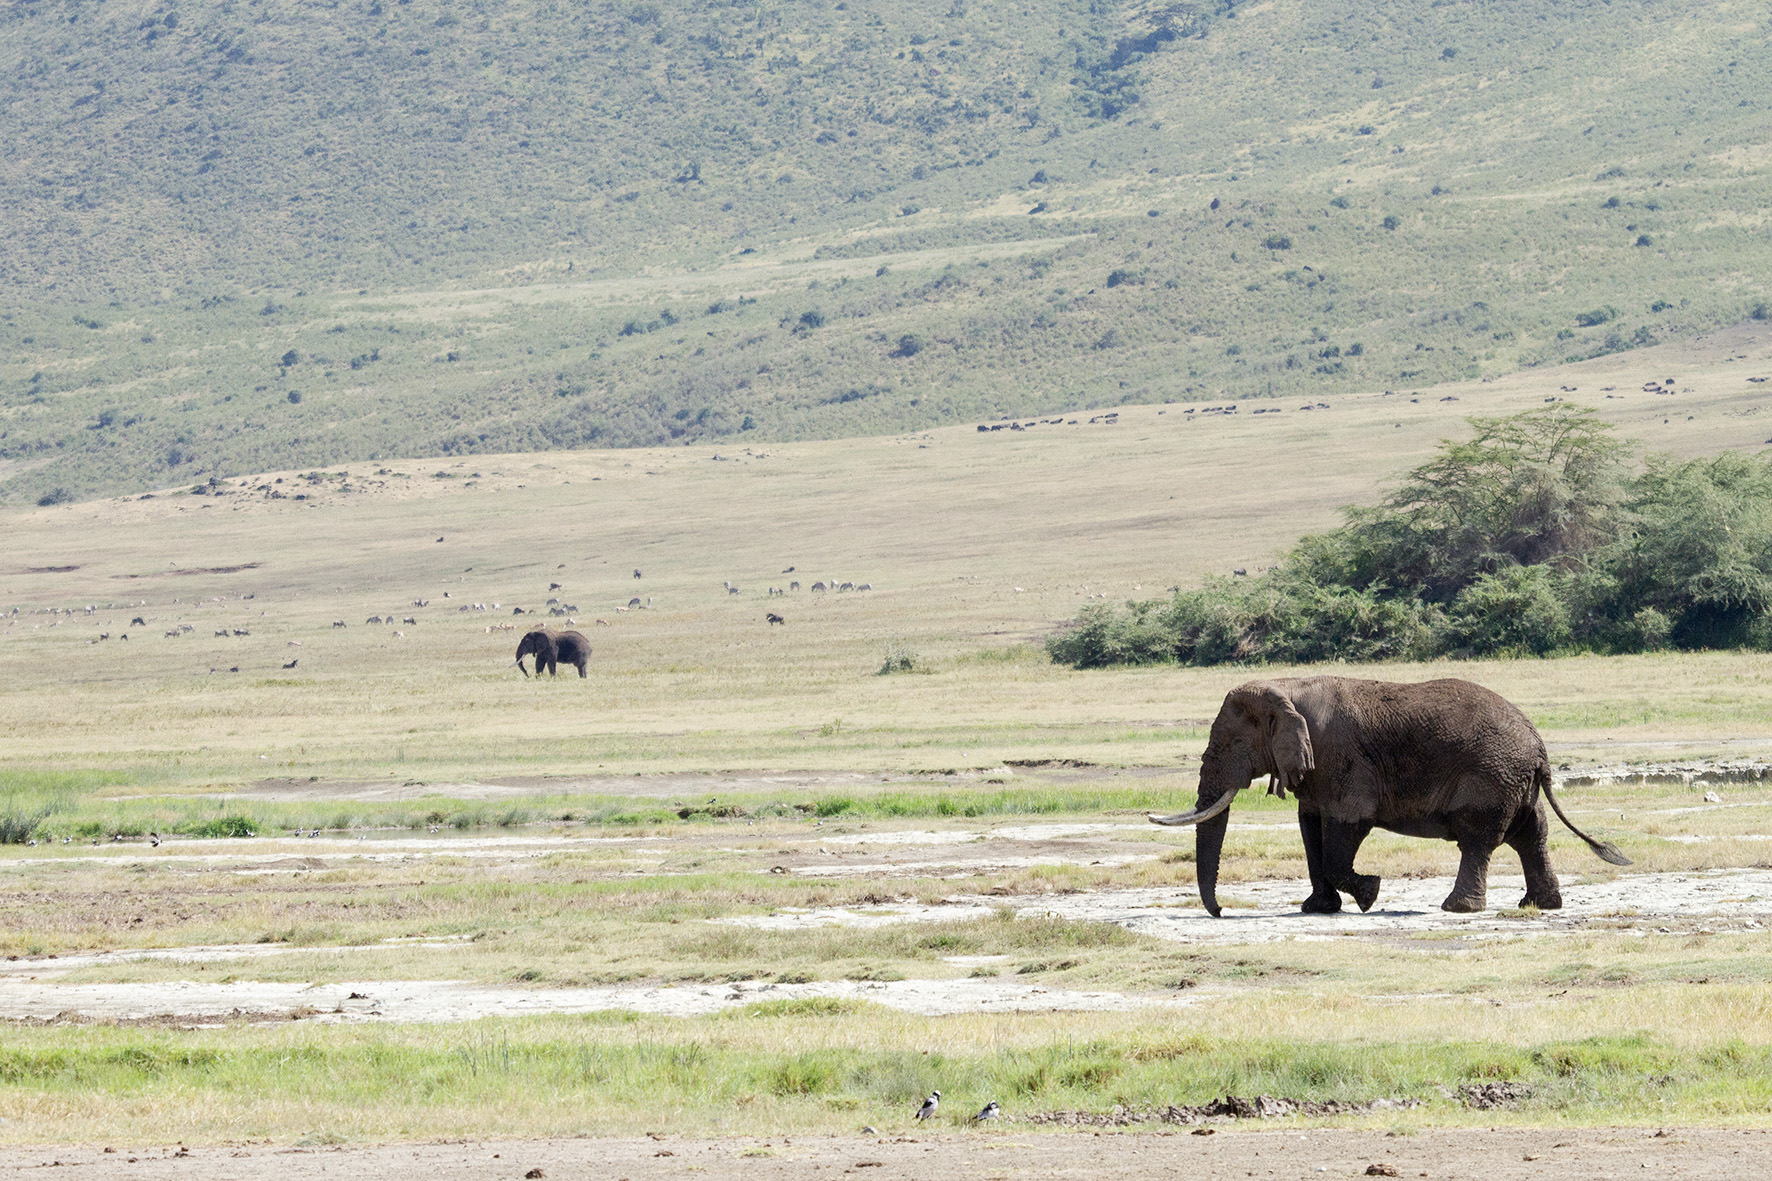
x,y
1407,910
1231,1107
430,1001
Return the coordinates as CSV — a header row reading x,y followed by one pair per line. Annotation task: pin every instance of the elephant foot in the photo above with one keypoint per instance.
x,y
1365,890
1327,902
1464,903
1549,902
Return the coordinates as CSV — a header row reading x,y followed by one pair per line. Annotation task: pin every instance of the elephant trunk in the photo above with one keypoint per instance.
x,y
1208,844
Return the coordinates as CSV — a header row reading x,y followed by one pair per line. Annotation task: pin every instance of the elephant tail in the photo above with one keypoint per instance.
x,y
1604,850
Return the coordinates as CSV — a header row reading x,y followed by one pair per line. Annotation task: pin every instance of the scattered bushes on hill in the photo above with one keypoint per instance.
x,y
1531,538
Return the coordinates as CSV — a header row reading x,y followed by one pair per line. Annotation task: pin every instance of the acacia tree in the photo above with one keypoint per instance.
x,y
1542,486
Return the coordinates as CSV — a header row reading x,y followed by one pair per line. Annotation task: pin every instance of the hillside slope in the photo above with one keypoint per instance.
x,y
256,236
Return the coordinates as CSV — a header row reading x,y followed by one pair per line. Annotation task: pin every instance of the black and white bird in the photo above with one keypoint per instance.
x,y
929,1105
988,1111
154,839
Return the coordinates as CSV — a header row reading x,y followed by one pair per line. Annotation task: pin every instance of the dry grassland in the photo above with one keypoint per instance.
x,y
976,545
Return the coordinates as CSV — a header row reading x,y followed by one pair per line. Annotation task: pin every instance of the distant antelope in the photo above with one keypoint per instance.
x,y
818,588
338,623
409,619
292,663
773,618
732,590
634,602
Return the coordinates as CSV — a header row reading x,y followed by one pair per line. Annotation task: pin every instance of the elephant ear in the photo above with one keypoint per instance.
x,y
1285,738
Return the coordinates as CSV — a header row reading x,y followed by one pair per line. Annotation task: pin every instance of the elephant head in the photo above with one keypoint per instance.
x,y
537,642
1258,731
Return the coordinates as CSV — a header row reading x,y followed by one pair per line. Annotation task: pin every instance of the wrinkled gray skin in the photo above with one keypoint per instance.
x,y
552,648
1446,759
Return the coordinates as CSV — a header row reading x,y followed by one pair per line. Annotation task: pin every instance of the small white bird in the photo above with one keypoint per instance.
x,y
929,1105
988,1111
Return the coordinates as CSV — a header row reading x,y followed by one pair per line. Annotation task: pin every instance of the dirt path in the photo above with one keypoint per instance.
x,y
1510,1154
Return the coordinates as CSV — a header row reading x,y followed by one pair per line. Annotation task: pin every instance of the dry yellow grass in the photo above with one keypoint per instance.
x,y
977,545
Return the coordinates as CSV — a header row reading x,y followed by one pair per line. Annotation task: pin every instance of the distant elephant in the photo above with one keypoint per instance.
x,y
1446,759
552,648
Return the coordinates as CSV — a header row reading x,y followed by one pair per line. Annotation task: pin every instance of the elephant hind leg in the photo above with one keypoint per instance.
x,y
581,669
1530,838
1471,892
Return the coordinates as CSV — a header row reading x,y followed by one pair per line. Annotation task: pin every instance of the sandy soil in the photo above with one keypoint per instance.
x,y
1508,1154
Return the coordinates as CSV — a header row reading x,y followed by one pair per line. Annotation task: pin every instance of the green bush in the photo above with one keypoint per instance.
x,y
1529,538
1517,612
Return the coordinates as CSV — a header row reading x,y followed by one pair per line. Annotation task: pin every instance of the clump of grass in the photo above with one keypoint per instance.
x,y
900,658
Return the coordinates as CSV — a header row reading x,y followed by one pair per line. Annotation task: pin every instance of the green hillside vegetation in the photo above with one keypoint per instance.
x,y
251,236
1531,538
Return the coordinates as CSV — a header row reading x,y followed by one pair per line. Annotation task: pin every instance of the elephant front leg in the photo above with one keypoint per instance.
x,y
1325,898
1341,841
1470,893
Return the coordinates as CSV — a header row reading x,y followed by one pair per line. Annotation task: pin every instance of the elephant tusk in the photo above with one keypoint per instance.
x,y
1197,816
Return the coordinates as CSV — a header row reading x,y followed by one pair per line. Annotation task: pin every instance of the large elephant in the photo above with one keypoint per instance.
x,y
552,648
1446,759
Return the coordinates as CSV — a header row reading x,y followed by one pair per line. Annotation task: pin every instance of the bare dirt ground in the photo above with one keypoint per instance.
x,y
1698,902
1445,1154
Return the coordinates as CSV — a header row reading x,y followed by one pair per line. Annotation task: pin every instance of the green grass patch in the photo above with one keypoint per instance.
x,y
594,1076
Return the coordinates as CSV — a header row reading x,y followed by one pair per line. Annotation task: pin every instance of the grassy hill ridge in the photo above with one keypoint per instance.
x,y
266,236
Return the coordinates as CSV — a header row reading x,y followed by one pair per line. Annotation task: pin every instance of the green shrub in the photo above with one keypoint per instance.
x,y
1516,612
1528,538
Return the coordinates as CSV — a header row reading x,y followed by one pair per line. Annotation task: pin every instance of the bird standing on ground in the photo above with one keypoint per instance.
x,y
929,1105
988,1111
